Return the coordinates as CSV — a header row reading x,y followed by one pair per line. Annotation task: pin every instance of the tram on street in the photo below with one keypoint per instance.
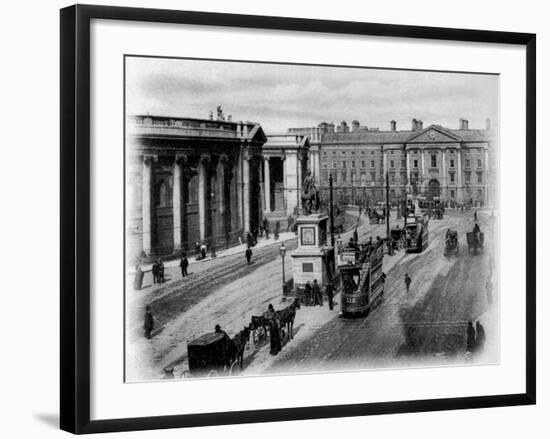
x,y
416,233
362,280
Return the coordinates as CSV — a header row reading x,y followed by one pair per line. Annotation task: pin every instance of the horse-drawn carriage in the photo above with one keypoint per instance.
x,y
375,217
437,211
451,243
282,320
216,353
475,240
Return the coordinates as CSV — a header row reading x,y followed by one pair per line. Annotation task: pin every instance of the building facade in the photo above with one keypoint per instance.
x,y
191,180
454,165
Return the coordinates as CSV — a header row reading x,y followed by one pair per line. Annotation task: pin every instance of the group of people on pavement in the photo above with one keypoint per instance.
x,y
313,295
158,272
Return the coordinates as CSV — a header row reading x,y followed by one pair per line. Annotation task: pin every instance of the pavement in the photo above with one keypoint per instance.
x,y
237,249
225,290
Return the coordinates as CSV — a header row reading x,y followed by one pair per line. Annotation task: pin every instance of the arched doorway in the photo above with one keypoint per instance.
x,y
434,189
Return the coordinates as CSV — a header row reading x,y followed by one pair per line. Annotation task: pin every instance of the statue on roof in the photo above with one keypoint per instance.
x,y
220,113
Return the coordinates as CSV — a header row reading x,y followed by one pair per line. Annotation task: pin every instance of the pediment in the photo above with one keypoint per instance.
x,y
433,134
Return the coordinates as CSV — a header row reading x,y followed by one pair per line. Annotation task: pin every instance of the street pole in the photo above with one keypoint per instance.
x,y
282,250
331,210
284,281
352,191
387,207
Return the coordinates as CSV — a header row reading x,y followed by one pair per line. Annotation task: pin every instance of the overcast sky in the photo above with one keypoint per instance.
x,y
283,96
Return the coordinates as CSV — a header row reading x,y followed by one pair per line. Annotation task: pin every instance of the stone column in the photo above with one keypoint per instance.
x,y
146,202
317,164
246,192
459,190
443,167
176,202
205,158
299,178
267,185
240,184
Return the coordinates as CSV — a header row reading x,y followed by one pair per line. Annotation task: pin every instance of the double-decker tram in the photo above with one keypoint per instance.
x,y
362,279
416,233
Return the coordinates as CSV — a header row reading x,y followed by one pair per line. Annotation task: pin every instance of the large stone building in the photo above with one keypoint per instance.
x,y
456,165
191,180
205,180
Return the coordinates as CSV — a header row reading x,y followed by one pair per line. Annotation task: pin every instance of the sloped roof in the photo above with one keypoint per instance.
x,y
389,137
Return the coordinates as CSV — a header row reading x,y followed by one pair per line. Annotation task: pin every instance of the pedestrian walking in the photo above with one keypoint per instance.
x,y
480,337
184,263
266,227
155,271
274,325
317,296
355,236
203,250
307,293
475,215
160,271
148,323
248,254
408,281
276,233
470,337
330,294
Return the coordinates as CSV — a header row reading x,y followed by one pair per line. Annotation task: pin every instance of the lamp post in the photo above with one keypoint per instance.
x,y
283,252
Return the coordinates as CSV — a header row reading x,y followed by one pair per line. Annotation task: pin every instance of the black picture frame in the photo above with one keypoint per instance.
x,y
75,217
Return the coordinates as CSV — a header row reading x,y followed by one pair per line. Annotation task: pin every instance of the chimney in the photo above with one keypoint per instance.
x,y
419,125
414,125
343,127
355,126
393,125
463,124
487,124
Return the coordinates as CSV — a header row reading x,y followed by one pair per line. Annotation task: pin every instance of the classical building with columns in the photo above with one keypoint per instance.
x,y
454,164
191,180
285,166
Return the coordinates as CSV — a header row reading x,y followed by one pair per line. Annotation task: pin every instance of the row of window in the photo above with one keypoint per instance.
x,y
433,163
392,177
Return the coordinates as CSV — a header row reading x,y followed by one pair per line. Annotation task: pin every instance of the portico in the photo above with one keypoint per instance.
x,y
191,180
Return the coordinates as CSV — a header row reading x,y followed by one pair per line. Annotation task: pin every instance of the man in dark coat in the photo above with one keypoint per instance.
x,y
330,294
274,326
317,297
470,337
160,272
355,236
480,336
184,263
148,323
307,292
408,281
248,254
277,227
155,271
266,227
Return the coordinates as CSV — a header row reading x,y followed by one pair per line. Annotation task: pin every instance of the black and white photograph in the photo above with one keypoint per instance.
x,y
298,218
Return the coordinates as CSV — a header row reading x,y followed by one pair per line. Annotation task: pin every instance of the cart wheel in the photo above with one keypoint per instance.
x,y
213,373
